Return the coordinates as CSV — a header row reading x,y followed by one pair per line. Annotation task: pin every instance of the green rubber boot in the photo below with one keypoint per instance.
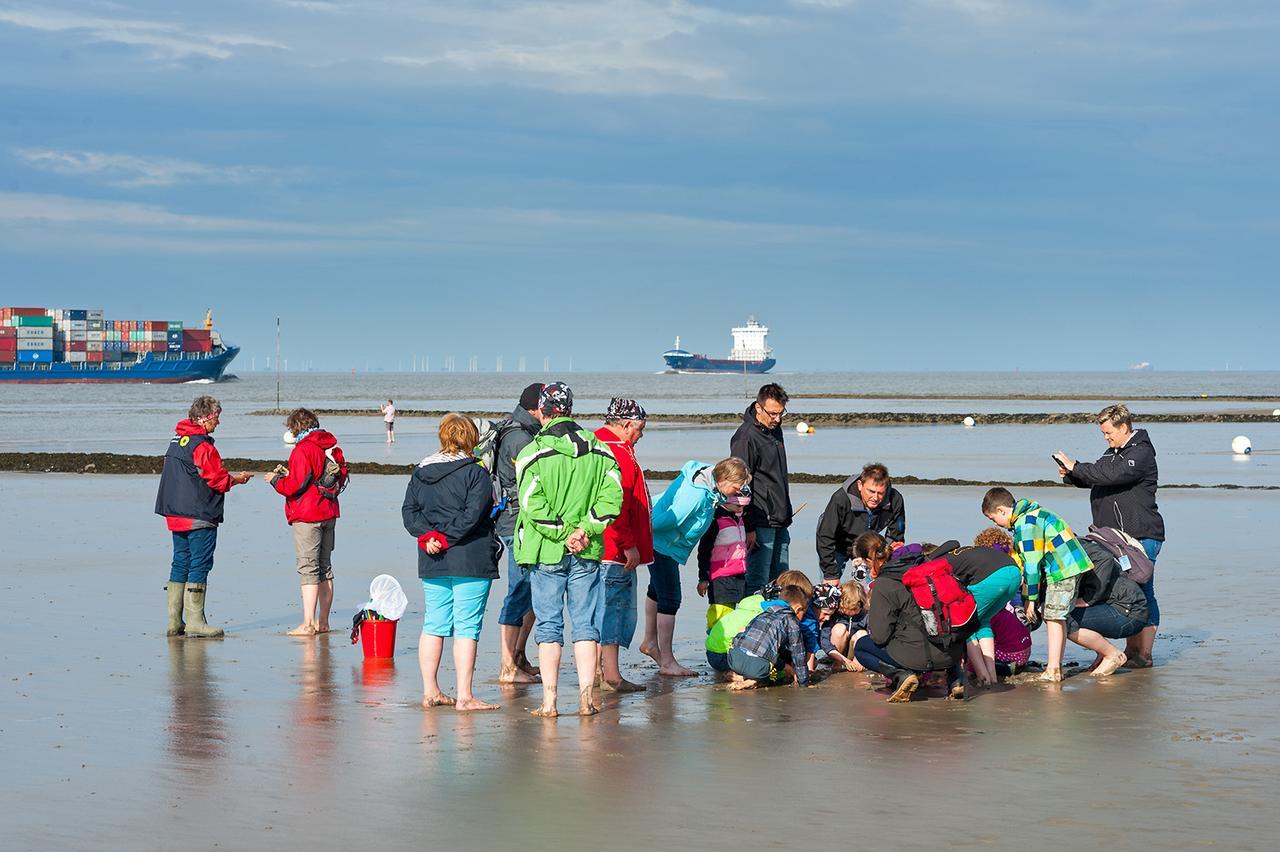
x,y
176,594
193,613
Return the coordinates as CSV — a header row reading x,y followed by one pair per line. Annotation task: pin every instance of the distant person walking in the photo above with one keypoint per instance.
x,y
1122,494
515,621
312,515
628,541
193,484
758,442
388,410
447,509
570,491
866,502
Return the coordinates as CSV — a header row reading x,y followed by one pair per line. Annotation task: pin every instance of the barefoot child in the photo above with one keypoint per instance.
x,y
771,641
1045,546
846,626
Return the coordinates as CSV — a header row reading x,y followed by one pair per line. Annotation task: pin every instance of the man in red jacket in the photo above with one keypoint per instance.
x,y
628,541
193,484
312,515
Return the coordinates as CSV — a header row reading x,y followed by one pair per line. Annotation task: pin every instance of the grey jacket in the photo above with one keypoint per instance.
x,y
513,440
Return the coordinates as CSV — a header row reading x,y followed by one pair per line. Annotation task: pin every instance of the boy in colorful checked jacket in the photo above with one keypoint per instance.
x,y
1043,545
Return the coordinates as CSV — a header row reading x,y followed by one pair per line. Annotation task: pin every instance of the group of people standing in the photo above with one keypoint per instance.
x,y
569,512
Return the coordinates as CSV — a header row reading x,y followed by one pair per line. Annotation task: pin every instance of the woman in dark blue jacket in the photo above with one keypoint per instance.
x,y
447,508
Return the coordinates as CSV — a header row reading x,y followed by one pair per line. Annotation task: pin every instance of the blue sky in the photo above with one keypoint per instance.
x,y
921,184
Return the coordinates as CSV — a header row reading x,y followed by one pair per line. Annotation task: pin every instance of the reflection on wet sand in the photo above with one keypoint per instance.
x,y
196,728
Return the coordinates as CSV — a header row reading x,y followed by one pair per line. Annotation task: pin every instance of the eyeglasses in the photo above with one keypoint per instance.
x,y
780,413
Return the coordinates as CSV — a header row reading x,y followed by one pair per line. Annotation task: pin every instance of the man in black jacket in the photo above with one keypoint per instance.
x,y
867,502
515,621
758,442
1122,494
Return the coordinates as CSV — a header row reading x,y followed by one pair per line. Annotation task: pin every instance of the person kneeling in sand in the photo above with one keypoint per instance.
x,y
846,626
771,642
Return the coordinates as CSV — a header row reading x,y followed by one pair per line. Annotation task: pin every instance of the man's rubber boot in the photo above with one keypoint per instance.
x,y
177,592
193,613
902,682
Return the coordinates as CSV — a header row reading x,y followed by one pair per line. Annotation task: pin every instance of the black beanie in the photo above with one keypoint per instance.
x,y
529,396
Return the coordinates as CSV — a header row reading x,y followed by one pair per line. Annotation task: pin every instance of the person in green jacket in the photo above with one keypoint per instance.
x,y
570,489
1043,546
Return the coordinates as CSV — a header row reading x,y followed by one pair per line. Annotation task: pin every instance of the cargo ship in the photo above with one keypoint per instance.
x,y
750,354
55,346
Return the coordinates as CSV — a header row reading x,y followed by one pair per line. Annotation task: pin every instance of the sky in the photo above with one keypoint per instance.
x,y
907,185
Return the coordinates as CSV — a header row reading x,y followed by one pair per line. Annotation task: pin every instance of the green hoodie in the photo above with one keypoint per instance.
x,y
568,480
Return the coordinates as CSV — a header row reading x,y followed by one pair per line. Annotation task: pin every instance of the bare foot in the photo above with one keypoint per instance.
x,y
587,703
674,669
621,685
739,683
302,630
651,651
1051,676
544,712
522,663
473,703
515,674
323,628
437,700
1109,665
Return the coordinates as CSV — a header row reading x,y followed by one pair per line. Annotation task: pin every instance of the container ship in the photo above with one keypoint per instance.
x,y
750,354
53,345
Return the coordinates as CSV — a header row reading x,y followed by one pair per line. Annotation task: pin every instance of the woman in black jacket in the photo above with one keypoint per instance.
x,y
1122,494
447,508
898,646
1111,606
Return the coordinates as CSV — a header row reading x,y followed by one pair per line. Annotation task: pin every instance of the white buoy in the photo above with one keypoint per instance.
x,y
969,422
1241,446
289,437
1276,413
802,428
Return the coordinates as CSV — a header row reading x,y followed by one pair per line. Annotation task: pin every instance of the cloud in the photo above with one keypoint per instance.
x,y
131,172
161,40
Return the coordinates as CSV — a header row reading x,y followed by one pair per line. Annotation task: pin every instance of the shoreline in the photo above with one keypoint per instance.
x,y
124,464
829,419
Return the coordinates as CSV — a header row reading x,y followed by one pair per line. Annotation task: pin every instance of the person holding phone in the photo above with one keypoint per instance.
x,y
1122,494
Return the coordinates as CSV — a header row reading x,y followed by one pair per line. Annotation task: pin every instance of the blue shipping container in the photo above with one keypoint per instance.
x,y
34,356
75,315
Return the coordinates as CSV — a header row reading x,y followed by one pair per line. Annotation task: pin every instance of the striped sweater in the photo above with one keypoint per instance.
x,y
1044,545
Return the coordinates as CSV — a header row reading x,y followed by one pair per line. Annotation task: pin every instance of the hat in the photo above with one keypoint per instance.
x,y
529,396
625,409
555,398
826,596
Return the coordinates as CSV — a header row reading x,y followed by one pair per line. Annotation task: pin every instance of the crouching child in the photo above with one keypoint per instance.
x,y
772,641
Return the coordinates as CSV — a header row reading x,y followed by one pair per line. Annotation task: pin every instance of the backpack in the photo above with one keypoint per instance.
x,y
491,435
946,606
1127,551
335,476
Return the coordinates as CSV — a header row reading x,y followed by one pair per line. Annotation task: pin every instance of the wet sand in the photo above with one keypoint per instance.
x,y
117,738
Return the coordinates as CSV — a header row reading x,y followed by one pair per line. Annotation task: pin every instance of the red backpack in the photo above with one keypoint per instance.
x,y
945,604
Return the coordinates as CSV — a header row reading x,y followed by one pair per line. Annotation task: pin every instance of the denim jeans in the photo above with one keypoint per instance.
x,y
1103,619
1152,548
770,558
873,657
576,581
193,555
517,603
619,605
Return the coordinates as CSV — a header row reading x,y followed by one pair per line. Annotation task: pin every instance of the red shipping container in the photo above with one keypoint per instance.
x,y
160,346
7,332
95,357
197,346
8,344
196,334
77,346
8,356
26,312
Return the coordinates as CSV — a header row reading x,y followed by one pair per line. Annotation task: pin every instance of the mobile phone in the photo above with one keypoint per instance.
x,y
1056,460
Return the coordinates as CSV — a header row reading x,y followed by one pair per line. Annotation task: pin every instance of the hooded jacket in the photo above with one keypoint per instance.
x,y
846,518
302,500
510,443
1122,487
895,624
633,527
448,499
766,457
1045,545
684,511
192,481
568,480
974,564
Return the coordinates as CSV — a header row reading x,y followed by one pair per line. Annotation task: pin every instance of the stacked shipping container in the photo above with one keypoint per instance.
x,y
40,335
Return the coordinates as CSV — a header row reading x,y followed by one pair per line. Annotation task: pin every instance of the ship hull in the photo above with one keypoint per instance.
x,y
703,364
149,370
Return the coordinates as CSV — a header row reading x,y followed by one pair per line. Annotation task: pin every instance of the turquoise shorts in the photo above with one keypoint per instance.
x,y
454,606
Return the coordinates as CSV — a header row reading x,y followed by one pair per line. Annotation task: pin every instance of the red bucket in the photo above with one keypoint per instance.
x,y
378,638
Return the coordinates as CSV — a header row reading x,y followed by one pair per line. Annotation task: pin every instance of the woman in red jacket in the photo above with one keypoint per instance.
x,y
312,515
